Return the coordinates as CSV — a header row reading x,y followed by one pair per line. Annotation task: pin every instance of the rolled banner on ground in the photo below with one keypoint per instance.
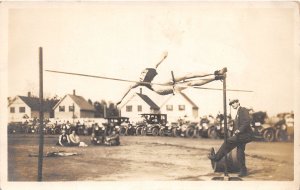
x,y
232,163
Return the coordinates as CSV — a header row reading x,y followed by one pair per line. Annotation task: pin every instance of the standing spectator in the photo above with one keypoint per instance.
x,y
242,135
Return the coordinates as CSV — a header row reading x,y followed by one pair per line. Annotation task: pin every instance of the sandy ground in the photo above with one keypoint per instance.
x,y
143,158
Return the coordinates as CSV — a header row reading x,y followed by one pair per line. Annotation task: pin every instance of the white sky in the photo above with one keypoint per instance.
x,y
255,41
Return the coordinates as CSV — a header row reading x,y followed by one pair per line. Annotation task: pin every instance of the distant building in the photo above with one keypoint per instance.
x,y
179,106
73,106
175,106
28,107
137,104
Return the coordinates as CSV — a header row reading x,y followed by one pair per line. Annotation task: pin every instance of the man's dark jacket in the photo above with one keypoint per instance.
x,y
242,121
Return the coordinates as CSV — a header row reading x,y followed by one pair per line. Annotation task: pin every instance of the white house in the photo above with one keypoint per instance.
x,y
175,106
179,106
137,104
73,106
28,107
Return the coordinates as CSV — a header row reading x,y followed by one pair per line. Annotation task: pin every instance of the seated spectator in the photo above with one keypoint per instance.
x,y
113,139
63,139
75,140
98,134
96,139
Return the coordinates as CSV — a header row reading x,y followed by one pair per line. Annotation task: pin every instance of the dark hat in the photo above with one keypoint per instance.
x,y
233,101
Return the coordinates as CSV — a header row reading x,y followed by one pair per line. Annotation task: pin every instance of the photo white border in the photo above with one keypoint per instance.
x,y
4,184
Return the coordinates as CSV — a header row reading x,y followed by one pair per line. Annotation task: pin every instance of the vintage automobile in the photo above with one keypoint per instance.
x,y
67,127
130,129
46,127
15,127
262,127
284,127
80,128
139,126
126,127
54,129
153,123
31,127
120,122
188,129
206,126
289,119
218,130
170,129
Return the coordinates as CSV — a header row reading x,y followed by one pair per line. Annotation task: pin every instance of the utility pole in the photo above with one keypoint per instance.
x,y
104,111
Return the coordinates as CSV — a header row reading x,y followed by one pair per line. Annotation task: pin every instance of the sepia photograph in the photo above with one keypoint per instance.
x,y
149,95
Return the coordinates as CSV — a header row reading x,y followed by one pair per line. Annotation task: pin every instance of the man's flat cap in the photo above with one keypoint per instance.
x,y
233,101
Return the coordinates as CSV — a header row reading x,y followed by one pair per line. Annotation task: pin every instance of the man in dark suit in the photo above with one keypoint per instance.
x,y
242,135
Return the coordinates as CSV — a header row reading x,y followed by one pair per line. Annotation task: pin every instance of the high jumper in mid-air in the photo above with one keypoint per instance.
x,y
177,83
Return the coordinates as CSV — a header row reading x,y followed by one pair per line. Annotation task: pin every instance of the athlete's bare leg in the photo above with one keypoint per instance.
x,y
197,75
178,87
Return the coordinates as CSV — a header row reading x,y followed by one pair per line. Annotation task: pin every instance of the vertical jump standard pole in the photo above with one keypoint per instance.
x,y
41,127
225,123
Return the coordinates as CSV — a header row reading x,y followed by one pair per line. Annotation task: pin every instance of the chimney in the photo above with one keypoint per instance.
x,y
141,91
74,92
29,94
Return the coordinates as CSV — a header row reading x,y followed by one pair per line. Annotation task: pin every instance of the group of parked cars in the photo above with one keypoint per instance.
x,y
279,128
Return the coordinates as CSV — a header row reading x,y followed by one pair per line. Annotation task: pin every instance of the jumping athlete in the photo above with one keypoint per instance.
x,y
166,88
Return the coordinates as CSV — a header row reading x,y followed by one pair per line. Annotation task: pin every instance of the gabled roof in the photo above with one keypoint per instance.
x,y
34,103
80,101
189,100
148,101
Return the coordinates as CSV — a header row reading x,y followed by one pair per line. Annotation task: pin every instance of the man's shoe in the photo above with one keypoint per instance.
x,y
243,173
221,72
212,155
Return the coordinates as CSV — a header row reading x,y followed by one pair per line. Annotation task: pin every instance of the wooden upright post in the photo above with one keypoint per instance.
x,y
225,123
41,127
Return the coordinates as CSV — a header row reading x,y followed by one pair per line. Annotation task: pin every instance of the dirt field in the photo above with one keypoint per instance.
x,y
142,158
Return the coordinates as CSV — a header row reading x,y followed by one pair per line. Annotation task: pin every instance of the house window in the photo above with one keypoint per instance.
x,y
12,110
169,107
181,107
139,108
21,109
128,108
71,108
61,108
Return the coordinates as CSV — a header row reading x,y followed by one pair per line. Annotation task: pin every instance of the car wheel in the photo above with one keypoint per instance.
x,y
212,133
161,132
281,135
175,132
155,131
269,135
196,133
127,132
143,131
122,131
189,132
138,131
